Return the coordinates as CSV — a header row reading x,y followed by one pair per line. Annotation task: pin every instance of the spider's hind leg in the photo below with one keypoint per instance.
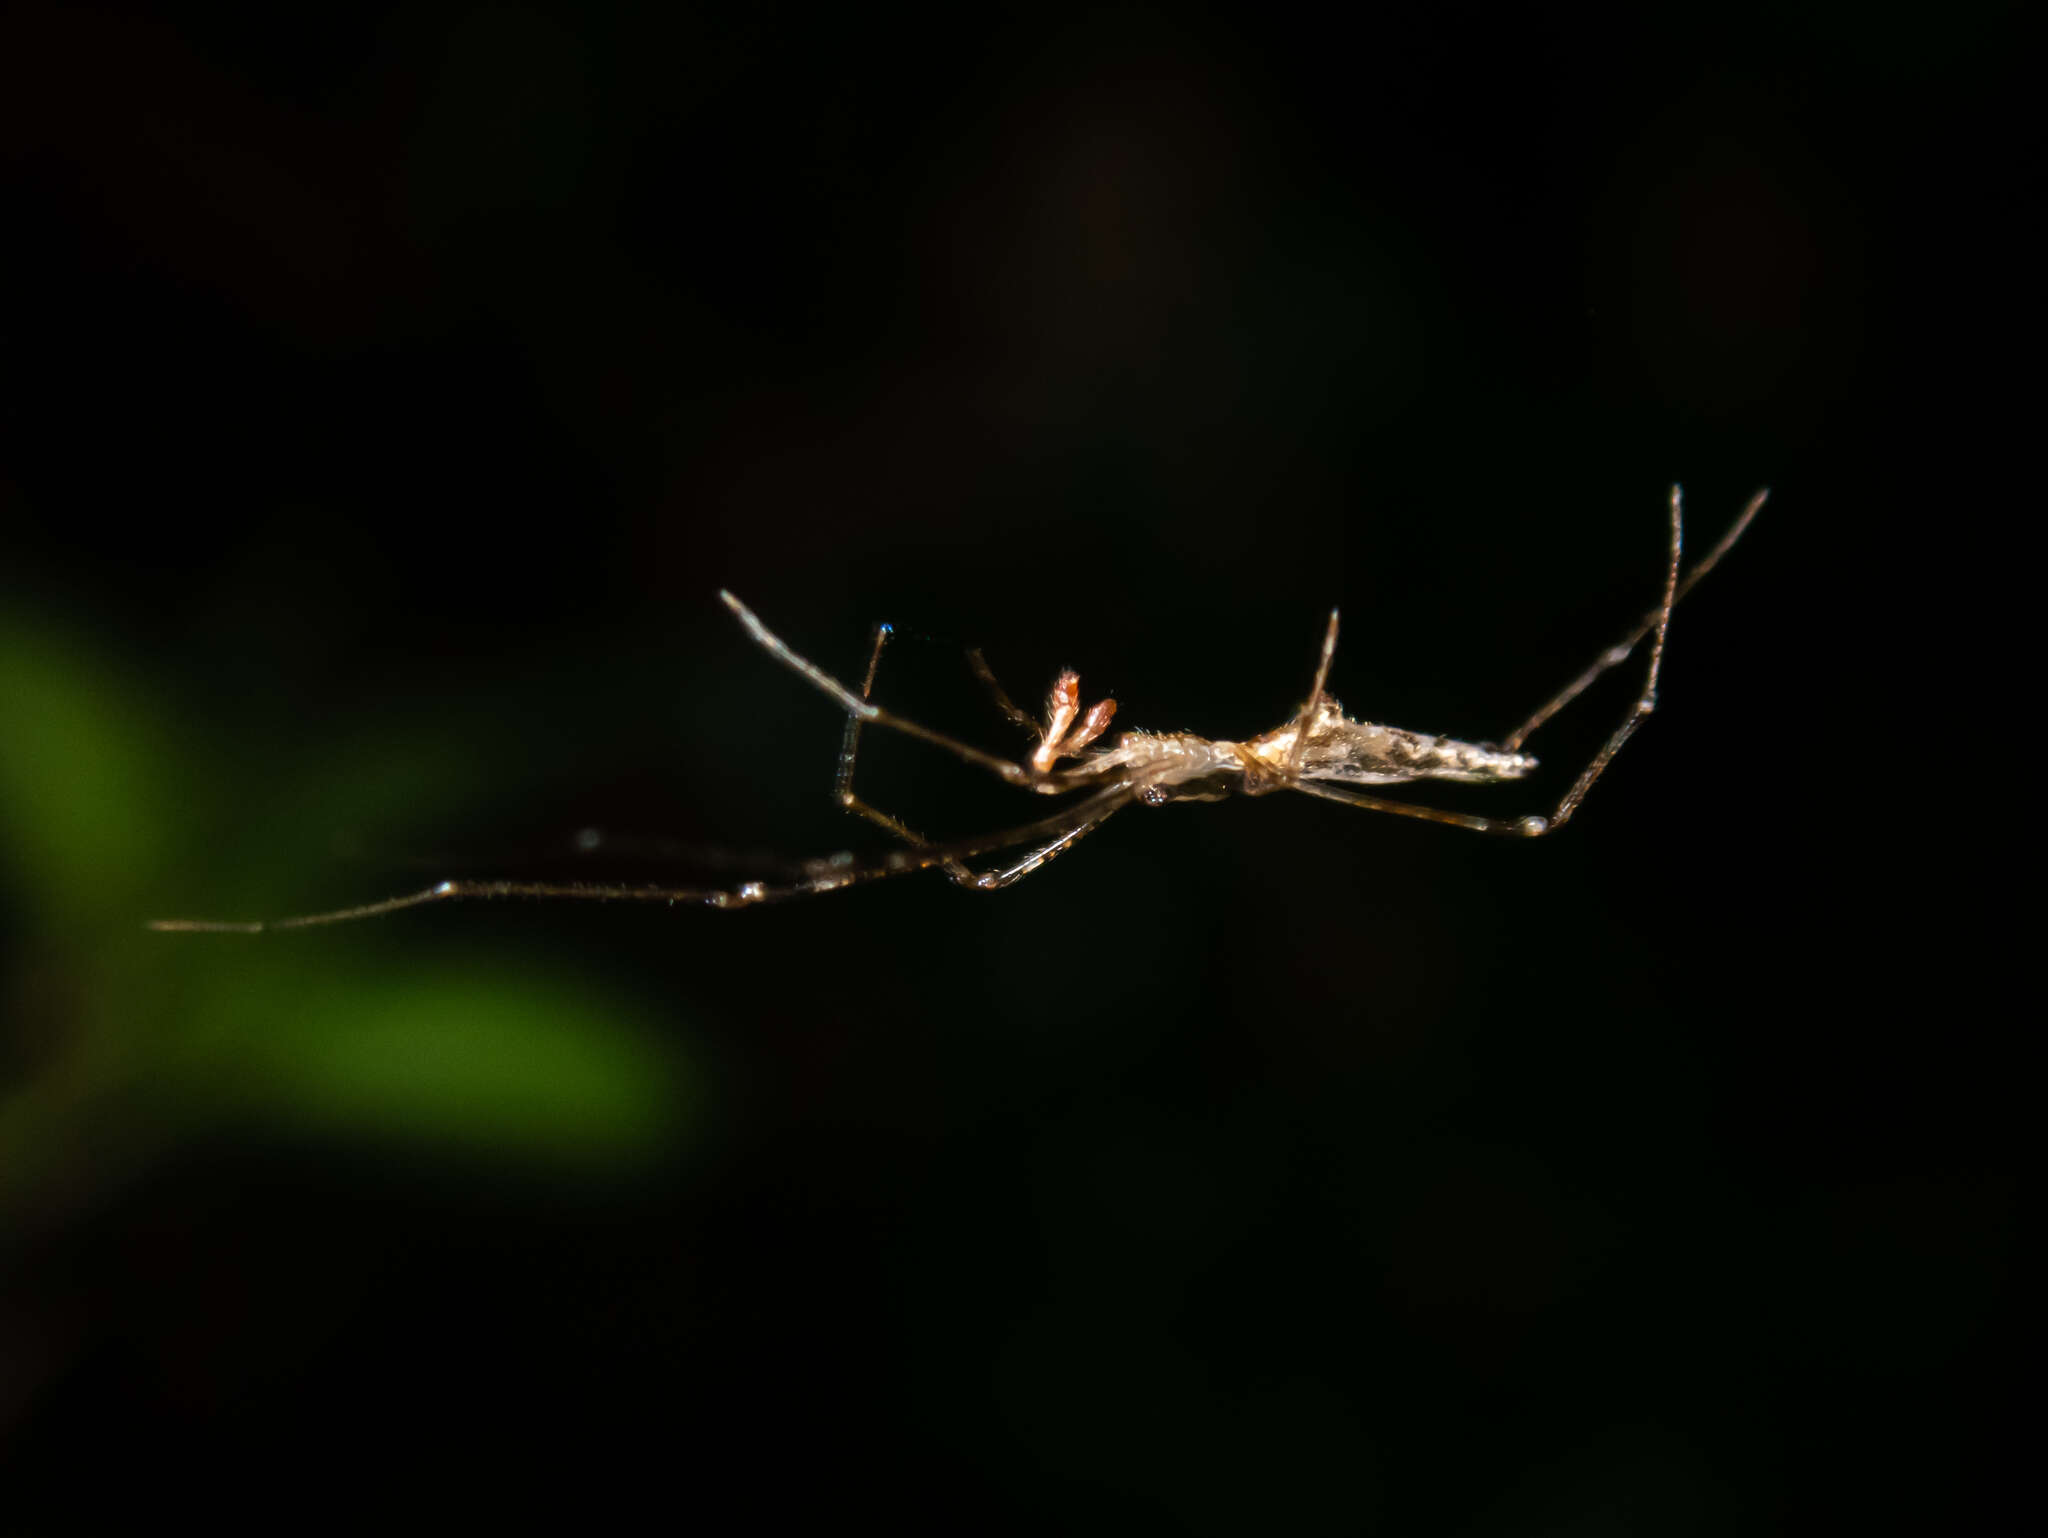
x,y
1657,624
1623,649
1645,701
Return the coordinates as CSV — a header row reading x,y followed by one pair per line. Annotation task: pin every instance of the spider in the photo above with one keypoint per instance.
x,y
1318,751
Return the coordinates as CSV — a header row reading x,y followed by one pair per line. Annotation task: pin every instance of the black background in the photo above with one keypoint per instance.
x,y
402,384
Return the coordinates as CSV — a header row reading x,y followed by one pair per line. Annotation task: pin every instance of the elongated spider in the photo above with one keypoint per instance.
x,y
1319,751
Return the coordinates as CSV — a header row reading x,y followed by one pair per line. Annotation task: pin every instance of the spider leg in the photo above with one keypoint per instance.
x,y
1023,775
996,880
1620,652
1522,827
849,748
866,711
810,877
850,800
1313,703
979,665
1646,701
1048,782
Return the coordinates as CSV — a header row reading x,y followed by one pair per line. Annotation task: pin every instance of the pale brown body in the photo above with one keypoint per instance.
x,y
1338,749
1319,752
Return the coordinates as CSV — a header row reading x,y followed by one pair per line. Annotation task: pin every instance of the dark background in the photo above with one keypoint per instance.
x,y
387,393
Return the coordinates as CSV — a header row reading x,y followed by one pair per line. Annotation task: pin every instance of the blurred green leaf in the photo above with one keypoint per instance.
x,y
464,1059
136,1038
82,801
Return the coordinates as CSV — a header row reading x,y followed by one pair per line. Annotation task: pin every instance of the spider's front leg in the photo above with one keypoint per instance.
x,y
843,793
1066,732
